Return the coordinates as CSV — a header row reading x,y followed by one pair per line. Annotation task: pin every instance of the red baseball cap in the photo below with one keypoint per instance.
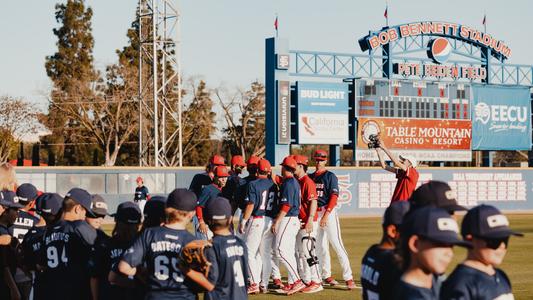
x,y
289,162
301,160
139,179
253,160
217,160
238,160
321,155
264,165
221,171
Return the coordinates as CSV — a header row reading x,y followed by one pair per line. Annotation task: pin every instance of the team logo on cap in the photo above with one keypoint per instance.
x,y
439,50
447,224
497,221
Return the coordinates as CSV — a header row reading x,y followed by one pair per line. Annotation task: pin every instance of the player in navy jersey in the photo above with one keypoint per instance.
x,y
251,167
286,225
154,212
127,223
260,194
427,236
48,206
228,255
234,181
199,181
210,191
477,277
66,250
158,249
142,195
329,231
9,207
379,271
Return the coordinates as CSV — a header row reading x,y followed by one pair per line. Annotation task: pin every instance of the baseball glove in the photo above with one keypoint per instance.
x,y
193,256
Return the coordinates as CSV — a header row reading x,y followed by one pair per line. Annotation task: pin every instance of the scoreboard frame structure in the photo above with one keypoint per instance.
x,y
406,59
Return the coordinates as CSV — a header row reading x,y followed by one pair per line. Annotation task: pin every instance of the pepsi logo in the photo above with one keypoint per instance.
x,y
439,50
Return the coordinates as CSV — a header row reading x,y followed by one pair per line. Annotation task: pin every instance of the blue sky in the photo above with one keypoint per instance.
x,y
223,40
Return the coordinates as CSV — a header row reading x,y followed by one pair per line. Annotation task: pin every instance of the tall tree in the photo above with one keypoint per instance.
x,y
244,113
73,75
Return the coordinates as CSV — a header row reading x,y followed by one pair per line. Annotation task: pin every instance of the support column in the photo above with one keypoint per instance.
x,y
335,155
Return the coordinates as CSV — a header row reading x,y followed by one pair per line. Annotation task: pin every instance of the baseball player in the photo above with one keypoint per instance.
x,y
99,209
199,181
9,207
379,271
478,277
113,285
228,256
405,170
329,232
26,194
435,194
286,225
141,193
158,248
154,212
48,206
234,181
306,238
66,250
427,236
210,191
260,194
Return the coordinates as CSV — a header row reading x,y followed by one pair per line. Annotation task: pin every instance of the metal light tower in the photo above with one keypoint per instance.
x,y
160,142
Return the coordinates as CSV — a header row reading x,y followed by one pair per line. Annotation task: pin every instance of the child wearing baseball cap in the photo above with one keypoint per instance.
x,y
228,256
478,277
427,237
158,249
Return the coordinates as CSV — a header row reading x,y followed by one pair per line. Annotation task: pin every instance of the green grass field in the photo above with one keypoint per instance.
x,y
360,233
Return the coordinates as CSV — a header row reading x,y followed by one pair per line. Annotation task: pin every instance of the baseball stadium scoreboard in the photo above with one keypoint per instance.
x,y
434,90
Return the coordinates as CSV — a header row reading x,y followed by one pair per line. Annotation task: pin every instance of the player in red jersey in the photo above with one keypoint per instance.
x,y
405,170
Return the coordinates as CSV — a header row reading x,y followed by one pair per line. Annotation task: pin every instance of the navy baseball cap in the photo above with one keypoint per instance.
x,y
217,208
436,194
49,203
9,199
182,199
98,205
434,224
486,221
83,198
27,192
395,212
128,212
155,208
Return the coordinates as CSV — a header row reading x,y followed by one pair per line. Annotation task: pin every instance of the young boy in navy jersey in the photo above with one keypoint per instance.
x,y
228,256
427,237
158,248
9,207
379,272
66,250
477,278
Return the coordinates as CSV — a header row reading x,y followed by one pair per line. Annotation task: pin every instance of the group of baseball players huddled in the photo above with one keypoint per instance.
x,y
53,247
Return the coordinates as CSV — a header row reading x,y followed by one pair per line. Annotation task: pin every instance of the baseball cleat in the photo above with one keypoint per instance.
x,y
253,289
313,287
331,281
263,290
298,286
277,284
350,284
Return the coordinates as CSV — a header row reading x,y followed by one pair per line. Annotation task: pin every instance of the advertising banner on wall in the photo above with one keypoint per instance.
x,y
425,139
322,113
284,112
501,118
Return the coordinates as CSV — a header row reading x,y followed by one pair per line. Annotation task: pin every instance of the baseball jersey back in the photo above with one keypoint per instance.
x,y
229,270
25,221
308,191
379,273
65,254
261,192
290,195
158,249
327,184
466,283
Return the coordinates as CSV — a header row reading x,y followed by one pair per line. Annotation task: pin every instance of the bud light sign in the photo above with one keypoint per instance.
x,y
501,118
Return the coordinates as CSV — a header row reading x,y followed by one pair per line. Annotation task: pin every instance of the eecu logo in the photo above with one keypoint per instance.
x,y
500,113
439,50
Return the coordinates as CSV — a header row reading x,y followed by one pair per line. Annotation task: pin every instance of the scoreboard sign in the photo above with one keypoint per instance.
x,y
426,139
322,113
